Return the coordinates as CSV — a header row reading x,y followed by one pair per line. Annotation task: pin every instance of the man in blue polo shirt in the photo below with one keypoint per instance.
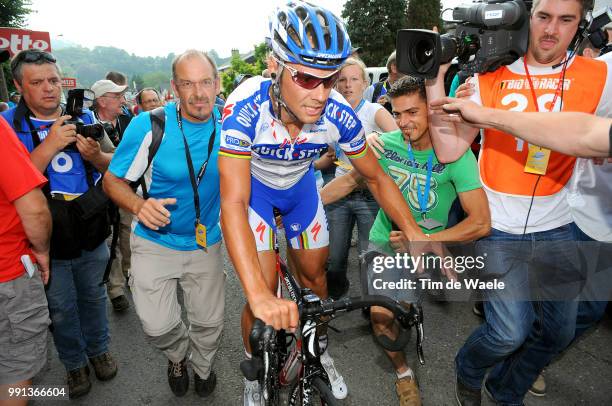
x,y
177,237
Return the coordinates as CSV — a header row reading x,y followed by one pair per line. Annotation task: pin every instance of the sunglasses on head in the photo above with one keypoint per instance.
x,y
31,55
310,81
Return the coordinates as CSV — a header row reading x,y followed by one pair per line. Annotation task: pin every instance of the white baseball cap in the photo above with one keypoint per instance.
x,y
106,86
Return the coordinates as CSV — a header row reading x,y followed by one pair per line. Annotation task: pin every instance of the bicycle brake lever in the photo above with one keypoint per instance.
x,y
418,322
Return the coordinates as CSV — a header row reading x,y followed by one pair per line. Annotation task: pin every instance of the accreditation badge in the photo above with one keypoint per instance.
x,y
429,224
200,233
537,160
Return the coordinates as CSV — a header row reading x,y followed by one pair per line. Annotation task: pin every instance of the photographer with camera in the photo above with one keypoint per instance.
x,y
108,100
526,188
72,161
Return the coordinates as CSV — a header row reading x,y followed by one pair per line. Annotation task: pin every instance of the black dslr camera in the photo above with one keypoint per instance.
x,y
489,34
78,99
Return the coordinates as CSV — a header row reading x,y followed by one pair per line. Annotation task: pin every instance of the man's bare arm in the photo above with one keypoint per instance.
x,y
450,139
388,196
35,217
151,212
340,187
578,134
235,183
477,223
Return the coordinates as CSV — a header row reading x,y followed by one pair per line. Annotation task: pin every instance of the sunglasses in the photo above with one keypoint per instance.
x,y
309,81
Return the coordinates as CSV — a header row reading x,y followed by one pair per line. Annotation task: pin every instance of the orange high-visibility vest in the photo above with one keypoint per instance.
x,y
503,157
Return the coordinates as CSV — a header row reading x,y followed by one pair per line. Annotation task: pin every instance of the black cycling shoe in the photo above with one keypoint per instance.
x,y
178,377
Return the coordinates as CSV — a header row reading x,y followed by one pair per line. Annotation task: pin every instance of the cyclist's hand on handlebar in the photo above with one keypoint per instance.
x,y
276,312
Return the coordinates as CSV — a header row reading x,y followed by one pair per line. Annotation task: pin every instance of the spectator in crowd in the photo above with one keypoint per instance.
x,y
528,202
4,107
24,240
359,206
14,99
408,155
79,254
109,98
376,92
166,247
120,79
148,99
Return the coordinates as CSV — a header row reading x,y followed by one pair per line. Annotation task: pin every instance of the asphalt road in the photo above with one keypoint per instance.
x,y
582,376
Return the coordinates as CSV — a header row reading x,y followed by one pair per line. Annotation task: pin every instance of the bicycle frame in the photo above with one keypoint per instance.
x,y
270,348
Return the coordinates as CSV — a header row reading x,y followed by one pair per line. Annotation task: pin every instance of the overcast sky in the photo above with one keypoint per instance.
x,y
149,28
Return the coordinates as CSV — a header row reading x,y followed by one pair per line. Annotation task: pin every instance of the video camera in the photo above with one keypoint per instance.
x,y
596,32
489,34
78,99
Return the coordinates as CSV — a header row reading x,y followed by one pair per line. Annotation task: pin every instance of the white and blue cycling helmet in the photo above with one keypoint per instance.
x,y
309,35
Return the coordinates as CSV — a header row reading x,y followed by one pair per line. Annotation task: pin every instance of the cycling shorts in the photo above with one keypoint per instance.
x,y
301,209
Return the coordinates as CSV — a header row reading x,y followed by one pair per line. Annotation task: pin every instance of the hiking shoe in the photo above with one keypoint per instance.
x,y
104,366
120,303
252,393
466,396
408,391
78,382
478,309
205,387
539,386
178,377
336,381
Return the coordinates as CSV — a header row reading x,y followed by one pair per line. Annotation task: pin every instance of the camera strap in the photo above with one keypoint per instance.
x,y
195,181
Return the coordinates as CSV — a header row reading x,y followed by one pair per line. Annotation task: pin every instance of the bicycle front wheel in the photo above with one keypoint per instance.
x,y
318,394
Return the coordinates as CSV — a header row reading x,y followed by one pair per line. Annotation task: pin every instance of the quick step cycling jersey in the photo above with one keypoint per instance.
x,y
250,130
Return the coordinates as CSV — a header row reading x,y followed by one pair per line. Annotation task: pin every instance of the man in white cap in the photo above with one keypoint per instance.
x,y
109,99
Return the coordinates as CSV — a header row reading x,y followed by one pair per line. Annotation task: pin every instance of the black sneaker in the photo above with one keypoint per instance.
x,y
204,387
478,309
78,382
466,396
104,366
120,303
178,377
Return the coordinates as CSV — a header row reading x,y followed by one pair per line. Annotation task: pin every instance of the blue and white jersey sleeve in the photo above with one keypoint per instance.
x,y
351,137
132,155
240,117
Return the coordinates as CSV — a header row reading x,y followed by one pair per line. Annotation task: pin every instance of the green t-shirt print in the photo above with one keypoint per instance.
x,y
446,181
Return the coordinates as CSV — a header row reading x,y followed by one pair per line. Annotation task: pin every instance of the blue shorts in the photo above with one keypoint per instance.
x,y
302,211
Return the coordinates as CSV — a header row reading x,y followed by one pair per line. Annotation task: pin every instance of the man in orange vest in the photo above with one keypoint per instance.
x,y
529,321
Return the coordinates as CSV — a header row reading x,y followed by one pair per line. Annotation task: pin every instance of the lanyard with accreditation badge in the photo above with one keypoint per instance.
x,y
538,157
200,229
423,198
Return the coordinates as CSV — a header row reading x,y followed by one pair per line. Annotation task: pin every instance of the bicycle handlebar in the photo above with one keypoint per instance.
x,y
406,318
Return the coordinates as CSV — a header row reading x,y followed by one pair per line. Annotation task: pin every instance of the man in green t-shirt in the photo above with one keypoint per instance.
x,y
430,189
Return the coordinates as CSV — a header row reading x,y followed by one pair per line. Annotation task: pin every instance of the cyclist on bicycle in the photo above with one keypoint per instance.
x,y
272,132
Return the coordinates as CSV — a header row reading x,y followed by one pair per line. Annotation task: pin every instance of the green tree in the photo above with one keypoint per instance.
x,y
12,14
424,14
373,24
